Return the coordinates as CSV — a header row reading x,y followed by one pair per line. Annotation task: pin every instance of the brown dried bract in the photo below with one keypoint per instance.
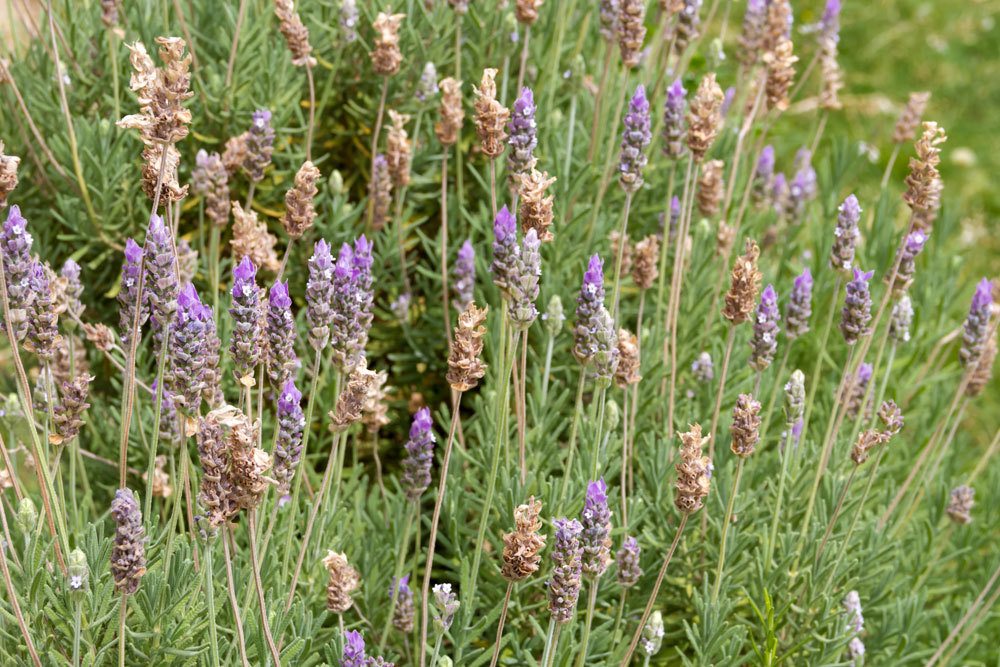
x,y
452,114
627,372
8,174
352,399
491,116
710,186
923,183
744,284
299,212
526,11
344,580
251,239
398,150
745,429
694,472
644,262
522,548
386,57
295,32
704,116
780,65
535,209
909,119
631,31
465,365
100,335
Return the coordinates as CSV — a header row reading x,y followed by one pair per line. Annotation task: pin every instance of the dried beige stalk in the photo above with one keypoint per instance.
x,y
251,239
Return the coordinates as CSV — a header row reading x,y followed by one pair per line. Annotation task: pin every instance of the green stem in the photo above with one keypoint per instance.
x,y
550,641
785,455
854,520
548,368
77,613
600,432
815,377
568,468
622,242
213,645
585,639
397,573
719,569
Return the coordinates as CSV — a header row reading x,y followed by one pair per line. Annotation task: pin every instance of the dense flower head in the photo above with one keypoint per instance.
x,y
745,428
631,31
299,210
128,292
763,177
43,321
596,536
704,118
380,191
554,316
588,307
348,21
128,555
635,138
288,441
491,116
319,295
343,582
674,127
15,250
960,504
702,368
627,562
463,275
522,548
354,650
606,352
795,397
282,361
694,471
210,179
802,188
857,312
352,297
976,324
295,32
245,345
260,145
688,25
524,288
402,617
799,308
522,136
846,234
567,562
744,282
386,56
764,342
852,608
71,291
652,634
608,13
900,320
465,364
419,455
428,85
506,251
906,260
161,282
188,351
752,36
67,416
446,604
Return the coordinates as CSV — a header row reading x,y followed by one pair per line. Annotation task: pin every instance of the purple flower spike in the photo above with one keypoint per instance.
x,y
567,561
505,251
522,136
128,292
70,272
763,177
281,359
43,322
596,536
288,444
260,145
752,37
319,295
857,312
188,351
402,617
588,307
635,138
727,101
779,193
764,343
524,290
15,249
352,297
627,561
674,127
354,650
802,189
976,324
161,284
419,455
245,343
799,308
829,25
846,234
463,276
907,258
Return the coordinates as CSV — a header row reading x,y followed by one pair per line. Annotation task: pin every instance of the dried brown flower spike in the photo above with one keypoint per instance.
x,y
386,57
710,186
693,471
351,402
8,174
344,580
491,116
745,428
452,114
909,119
398,150
526,11
923,183
295,32
299,211
631,31
627,372
522,548
70,410
704,117
780,74
251,239
465,365
744,284
983,372
644,268
535,208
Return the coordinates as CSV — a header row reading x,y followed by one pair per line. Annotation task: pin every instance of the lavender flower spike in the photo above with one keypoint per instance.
x,y
354,650
976,325
524,291
353,293
900,320
128,556
846,234
70,272
428,86
829,24
463,277
260,145
188,351
627,562
595,539
907,259
799,308
15,249
588,307
522,136
402,617
245,344
505,251
319,295
764,343
567,561
161,283
674,128
281,359
419,455
606,352
128,292
635,138
43,322
857,312
288,442
763,177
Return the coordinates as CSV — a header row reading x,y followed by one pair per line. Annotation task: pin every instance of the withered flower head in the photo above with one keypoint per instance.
x,y
704,117
644,262
535,208
891,417
780,74
386,57
161,487
522,548
452,114
374,415
981,375
866,442
69,412
909,119
465,366
398,150
631,30
526,11
344,580
743,286
627,372
710,186
295,32
8,174
491,116
248,463
923,183
299,211
960,504
128,556
102,337
694,472
352,399
210,179
251,239
745,428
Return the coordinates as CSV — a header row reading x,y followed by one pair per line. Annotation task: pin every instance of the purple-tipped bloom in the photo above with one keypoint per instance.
x,y
446,605
354,650
627,561
635,138
752,38
353,293
419,455
727,101
212,376
288,442
281,359
128,555
128,292
428,86
70,272
674,124
608,12
524,289
799,308
588,308
763,177
43,323
15,249
402,617
829,25
802,188
857,312
764,342
702,368
348,21
779,193
976,324
567,567
846,234
857,392
606,352
522,134
505,251
161,282
596,536
188,351
900,320
319,295
245,343
675,218
260,145
463,276
912,245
